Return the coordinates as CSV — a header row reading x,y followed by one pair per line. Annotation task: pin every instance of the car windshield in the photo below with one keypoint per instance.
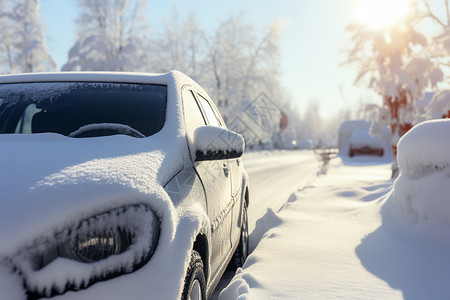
x,y
65,107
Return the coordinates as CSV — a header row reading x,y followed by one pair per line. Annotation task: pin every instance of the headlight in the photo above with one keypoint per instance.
x,y
93,247
101,247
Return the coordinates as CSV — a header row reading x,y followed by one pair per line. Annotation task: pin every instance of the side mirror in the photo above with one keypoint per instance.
x,y
214,143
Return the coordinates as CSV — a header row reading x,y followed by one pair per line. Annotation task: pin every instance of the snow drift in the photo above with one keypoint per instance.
x,y
422,190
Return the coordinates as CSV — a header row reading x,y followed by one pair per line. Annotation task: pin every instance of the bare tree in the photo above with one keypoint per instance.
x,y
111,35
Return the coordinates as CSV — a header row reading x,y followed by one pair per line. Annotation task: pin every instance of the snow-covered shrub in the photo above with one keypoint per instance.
x,y
423,188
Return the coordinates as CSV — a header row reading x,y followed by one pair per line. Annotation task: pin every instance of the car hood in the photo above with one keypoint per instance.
x,y
48,180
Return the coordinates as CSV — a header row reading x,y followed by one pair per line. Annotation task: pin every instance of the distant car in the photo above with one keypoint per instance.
x,y
117,186
362,143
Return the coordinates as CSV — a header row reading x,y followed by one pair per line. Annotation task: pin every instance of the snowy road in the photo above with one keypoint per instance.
x,y
274,177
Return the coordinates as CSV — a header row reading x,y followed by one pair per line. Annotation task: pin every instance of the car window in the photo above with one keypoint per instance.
x,y
210,114
64,107
192,113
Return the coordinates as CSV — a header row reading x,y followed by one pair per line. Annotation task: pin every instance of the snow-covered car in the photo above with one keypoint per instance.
x,y
362,143
117,186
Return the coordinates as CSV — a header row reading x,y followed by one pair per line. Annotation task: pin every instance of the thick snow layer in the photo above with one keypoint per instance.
x,y
207,138
425,148
350,125
342,239
422,190
84,177
11,284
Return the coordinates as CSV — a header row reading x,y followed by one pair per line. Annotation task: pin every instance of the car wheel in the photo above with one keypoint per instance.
x,y
195,283
241,253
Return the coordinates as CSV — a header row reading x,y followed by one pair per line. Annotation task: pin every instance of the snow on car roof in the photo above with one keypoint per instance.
x,y
91,76
176,77
350,125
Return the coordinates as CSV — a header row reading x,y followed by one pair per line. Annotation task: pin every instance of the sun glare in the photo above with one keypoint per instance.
x,y
381,13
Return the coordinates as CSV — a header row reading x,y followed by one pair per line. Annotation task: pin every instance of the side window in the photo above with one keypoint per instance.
x,y
192,113
209,111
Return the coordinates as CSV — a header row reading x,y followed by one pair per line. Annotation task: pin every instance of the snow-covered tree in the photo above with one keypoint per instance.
x,y
397,66
242,65
111,35
181,45
243,78
6,59
22,38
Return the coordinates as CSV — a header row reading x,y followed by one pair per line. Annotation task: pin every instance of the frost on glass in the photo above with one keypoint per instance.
x,y
56,263
36,92
50,91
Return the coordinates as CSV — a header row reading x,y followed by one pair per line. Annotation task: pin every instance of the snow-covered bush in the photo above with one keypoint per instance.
x,y
423,188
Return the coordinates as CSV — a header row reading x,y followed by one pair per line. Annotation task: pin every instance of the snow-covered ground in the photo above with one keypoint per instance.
x,y
343,238
274,176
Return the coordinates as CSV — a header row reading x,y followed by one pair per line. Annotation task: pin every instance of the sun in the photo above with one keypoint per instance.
x,y
379,14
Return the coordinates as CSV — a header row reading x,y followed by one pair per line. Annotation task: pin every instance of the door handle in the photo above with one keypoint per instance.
x,y
226,169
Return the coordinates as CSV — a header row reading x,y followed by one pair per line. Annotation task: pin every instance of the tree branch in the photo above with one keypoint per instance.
x,y
433,16
448,12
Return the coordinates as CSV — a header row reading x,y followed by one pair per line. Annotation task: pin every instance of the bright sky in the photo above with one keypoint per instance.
x,y
311,41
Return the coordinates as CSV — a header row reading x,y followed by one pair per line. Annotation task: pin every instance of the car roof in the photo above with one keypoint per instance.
x,y
92,77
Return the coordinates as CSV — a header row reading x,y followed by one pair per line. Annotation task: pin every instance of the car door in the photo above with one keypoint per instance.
x,y
216,179
234,167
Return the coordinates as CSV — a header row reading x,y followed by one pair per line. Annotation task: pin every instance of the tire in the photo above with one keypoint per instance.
x,y
241,253
194,282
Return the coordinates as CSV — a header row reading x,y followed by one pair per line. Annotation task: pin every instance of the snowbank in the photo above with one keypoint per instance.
x,y
422,190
